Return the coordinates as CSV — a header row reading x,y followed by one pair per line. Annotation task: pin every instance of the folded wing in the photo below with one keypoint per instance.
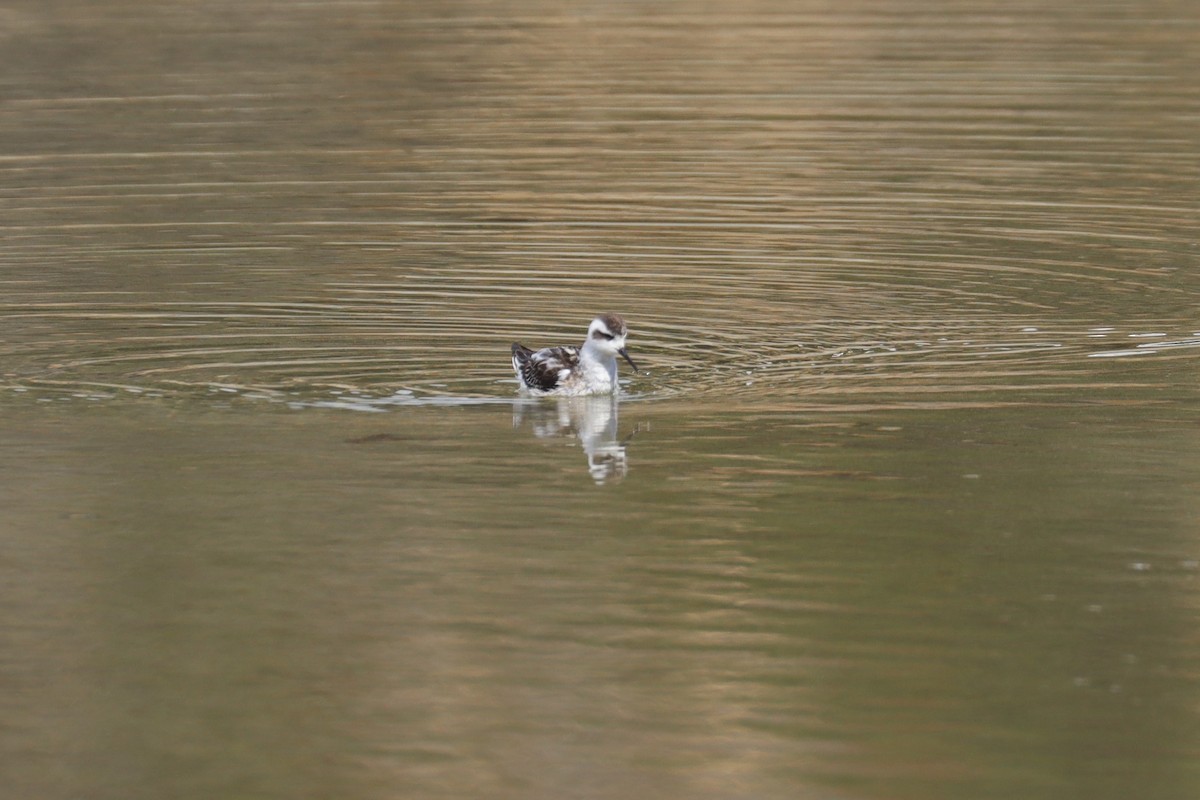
x,y
543,369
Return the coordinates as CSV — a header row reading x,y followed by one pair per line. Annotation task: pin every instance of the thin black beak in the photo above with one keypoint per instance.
x,y
625,356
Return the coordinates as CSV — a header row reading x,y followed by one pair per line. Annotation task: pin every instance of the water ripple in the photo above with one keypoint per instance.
x,y
791,205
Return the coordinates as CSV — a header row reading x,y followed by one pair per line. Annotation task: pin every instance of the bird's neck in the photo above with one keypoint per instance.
x,y
596,361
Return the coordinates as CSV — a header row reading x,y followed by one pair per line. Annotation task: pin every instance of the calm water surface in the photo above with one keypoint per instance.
x,y
905,504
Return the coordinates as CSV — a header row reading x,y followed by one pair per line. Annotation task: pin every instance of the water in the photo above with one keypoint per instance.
x,y
903,505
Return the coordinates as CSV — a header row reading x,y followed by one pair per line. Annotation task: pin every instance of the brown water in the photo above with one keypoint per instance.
x,y
904,504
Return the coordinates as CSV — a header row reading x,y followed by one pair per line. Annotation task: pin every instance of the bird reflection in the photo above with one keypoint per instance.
x,y
591,419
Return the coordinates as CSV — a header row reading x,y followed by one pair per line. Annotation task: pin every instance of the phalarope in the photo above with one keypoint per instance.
x,y
571,371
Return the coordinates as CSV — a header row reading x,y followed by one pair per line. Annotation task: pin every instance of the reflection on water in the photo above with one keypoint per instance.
x,y
592,421
916,283
942,603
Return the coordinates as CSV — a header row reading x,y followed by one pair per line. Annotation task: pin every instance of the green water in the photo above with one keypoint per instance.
x,y
904,504
981,603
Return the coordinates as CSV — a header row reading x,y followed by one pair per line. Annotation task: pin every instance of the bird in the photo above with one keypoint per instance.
x,y
572,371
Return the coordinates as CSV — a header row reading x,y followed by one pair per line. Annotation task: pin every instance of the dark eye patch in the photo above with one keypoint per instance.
x,y
603,335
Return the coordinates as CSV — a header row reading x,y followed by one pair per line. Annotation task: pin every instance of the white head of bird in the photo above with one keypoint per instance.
x,y
606,340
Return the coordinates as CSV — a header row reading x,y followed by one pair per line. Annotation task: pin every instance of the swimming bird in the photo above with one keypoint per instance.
x,y
570,371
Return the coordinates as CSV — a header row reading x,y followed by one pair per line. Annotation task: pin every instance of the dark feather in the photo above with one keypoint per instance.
x,y
541,369
614,323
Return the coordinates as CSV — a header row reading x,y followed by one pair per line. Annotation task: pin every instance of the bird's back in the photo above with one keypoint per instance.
x,y
543,370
